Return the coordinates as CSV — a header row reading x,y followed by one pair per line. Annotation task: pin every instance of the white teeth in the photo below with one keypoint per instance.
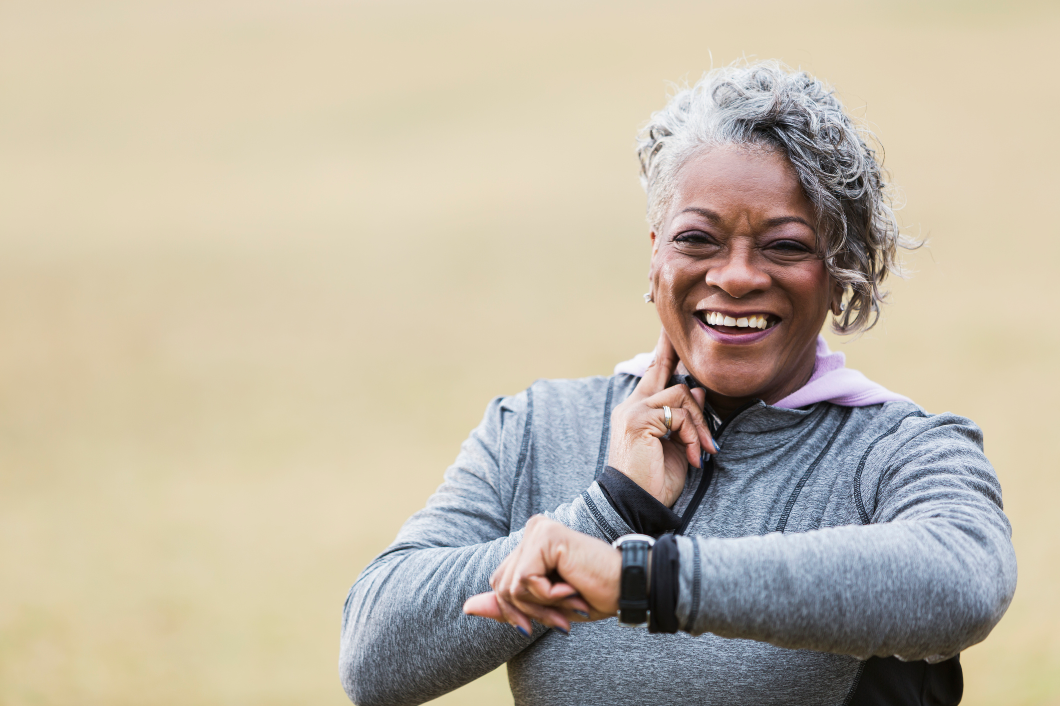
x,y
714,318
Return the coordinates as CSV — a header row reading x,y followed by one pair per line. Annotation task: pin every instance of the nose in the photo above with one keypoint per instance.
x,y
738,274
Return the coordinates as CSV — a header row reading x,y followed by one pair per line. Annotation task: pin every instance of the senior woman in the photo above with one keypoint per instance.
x,y
818,539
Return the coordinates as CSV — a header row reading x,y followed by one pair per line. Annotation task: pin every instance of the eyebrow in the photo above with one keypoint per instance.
x,y
772,222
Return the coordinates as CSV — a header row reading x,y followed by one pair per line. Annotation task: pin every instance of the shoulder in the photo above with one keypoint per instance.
x,y
905,455
906,424
556,403
581,392
554,432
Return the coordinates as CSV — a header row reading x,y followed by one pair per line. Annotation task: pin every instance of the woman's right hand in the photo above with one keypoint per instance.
x,y
555,576
639,447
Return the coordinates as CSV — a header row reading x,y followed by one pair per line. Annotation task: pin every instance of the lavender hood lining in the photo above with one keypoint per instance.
x,y
831,381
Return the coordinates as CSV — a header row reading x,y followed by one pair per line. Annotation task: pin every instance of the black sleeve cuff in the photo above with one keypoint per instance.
x,y
662,595
636,506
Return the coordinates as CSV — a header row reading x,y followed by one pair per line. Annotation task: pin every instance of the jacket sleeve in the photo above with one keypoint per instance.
x,y
405,638
929,575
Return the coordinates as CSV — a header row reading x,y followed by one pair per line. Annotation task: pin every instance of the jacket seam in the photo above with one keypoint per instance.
x,y
858,500
524,449
783,523
598,517
854,686
697,580
605,435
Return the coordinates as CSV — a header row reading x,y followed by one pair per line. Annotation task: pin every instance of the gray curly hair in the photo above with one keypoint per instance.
x,y
768,105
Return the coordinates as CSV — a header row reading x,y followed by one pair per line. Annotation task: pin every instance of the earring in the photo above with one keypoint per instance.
x,y
842,306
648,299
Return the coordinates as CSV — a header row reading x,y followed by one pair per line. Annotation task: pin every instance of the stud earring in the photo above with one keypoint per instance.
x,y
842,306
648,299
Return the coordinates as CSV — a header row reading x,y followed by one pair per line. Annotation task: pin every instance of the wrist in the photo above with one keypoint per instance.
x,y
634,579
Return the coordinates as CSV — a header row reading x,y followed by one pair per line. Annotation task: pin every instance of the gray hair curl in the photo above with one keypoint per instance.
x,y
765,104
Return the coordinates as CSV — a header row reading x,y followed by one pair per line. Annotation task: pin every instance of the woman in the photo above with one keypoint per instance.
x,y
811,526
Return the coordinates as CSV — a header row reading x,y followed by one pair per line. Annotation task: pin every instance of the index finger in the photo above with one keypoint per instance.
x,y
659,371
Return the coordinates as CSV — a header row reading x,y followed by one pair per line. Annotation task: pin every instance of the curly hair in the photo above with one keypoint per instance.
x,y
766,104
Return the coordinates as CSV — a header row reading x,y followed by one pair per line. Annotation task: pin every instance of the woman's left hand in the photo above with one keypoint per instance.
x,y
587,589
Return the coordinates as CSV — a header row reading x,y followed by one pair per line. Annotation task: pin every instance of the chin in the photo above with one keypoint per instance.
x,y
731,378
734,389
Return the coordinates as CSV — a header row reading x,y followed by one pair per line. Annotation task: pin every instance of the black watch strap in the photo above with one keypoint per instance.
x,y
633,584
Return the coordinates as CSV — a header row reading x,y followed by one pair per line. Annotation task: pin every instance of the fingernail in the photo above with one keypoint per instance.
x,y
582,613
717,444
558,629
522,631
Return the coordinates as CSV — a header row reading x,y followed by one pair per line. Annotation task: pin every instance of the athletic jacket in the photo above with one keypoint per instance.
x,y
819,543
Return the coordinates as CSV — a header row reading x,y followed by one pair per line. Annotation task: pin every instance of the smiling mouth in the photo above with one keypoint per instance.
x,y
742,324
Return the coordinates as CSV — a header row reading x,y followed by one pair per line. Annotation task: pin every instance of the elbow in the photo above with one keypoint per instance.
x,y
964,608
375,670
996,587
351,672
361,664
352,683
361,678
992,586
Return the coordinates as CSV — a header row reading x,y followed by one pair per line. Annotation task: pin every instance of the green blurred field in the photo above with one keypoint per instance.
x,y
263,264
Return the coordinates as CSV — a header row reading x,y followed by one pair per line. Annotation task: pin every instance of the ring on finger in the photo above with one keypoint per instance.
x,y
668,420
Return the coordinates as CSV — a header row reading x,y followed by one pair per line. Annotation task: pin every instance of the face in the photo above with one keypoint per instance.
x,y
737,280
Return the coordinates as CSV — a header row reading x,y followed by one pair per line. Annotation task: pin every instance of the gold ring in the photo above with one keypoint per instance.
x,y
668,419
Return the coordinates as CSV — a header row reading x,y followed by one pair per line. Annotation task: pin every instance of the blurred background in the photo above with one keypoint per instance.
x,y
246,247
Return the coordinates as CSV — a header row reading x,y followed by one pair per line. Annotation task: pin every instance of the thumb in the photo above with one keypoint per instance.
x,y
484,605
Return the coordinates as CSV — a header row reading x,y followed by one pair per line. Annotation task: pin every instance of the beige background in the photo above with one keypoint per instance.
x,y
263,264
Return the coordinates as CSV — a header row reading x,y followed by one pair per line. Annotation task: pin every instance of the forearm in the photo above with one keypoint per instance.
x,y
919,589
405,638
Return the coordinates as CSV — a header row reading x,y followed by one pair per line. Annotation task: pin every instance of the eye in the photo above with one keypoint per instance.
x,y
692,236
695,242
790,246
787,250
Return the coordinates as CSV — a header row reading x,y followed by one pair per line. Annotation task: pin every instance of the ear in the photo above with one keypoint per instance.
x,y
836,305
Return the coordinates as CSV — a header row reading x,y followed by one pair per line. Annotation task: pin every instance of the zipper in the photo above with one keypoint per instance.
x,y
706,462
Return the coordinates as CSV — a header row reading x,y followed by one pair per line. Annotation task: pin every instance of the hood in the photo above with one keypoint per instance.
x,y
831,382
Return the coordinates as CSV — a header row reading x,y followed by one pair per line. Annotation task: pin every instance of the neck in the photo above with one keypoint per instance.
x,y
725,406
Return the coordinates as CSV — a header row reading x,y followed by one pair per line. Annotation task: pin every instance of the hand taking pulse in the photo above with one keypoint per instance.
x,y
640,446
587,569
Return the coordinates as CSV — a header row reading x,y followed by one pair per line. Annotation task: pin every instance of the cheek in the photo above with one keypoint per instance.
x,y
673,272
810,287
673,284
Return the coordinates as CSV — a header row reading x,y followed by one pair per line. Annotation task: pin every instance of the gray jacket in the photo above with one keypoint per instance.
x,y
827,535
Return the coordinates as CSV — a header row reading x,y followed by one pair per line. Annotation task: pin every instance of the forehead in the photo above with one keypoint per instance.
x,y
739,182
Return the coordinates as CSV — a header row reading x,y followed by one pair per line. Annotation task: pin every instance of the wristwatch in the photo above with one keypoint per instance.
x,y
633,583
